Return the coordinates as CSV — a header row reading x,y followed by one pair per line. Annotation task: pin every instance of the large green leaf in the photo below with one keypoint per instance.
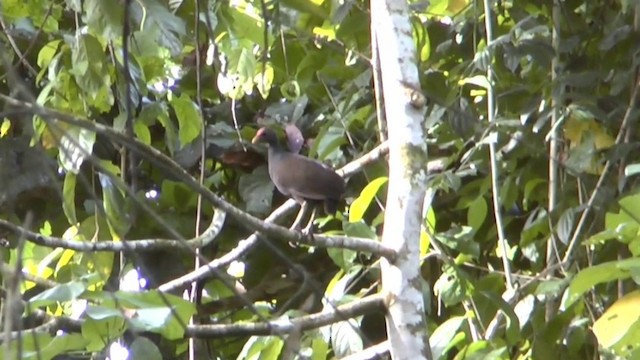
x,y
256,190
586,279
362,202
189,118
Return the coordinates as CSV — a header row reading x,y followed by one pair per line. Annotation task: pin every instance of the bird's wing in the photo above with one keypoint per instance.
x,y
310,179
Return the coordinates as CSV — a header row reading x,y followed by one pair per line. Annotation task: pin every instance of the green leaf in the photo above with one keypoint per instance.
x,y
97,312
329,139
75,145
246,69
142,132
39,346
450,287
442,338
47,53
586,279
618,329
151,319
342,257
99,333
243,25
157,18
290,90
565,225
319,348
345,338
359,229
477,213
116,207
91,72
189,119
478,80
104,18
307,6
362,202
512,324
144,349
155,315
256,190
264,80
262,347
69,198
631,169
60,293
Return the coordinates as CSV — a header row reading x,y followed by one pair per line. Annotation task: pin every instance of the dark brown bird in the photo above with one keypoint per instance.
x,y
301,178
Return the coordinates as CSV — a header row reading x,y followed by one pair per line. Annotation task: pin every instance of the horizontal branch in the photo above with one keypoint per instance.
x,y
344,312
284,326
119,246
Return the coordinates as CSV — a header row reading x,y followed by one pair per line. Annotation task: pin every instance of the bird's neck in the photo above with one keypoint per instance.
x,y
276,151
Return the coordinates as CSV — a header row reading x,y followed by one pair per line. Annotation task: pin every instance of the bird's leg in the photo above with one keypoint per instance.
x,y
304,208
308,230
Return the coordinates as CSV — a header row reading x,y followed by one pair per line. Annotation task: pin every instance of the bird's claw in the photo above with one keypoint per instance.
x,y
308,232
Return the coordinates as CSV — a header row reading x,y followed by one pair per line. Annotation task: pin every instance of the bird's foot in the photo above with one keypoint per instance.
x,y
308,232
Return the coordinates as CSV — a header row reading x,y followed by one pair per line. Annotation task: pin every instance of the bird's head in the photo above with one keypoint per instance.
x,y
265,135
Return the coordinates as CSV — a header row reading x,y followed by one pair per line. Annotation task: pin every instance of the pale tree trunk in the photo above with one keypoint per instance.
x,y
404,110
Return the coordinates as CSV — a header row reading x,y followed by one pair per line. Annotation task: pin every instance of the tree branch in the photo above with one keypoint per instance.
x,y
160,159
119,246
284,326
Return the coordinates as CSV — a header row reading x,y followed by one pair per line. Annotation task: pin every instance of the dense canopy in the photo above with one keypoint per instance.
x,y
125,144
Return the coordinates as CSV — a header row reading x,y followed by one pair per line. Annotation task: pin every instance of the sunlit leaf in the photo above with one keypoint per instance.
x,y
262,347
362,202
619,327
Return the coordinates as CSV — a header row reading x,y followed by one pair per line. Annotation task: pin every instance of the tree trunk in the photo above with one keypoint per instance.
x,y
404,110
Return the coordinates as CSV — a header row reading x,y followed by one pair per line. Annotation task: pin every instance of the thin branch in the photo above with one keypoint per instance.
x,y
16,49
554,148
626,122
495,186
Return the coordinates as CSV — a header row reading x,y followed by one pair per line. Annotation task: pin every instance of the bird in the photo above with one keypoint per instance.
x,y
307,181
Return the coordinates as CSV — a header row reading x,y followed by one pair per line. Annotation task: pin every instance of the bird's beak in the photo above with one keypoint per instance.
x,y
256,139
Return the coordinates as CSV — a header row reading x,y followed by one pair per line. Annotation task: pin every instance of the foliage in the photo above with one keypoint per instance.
x,y
216,71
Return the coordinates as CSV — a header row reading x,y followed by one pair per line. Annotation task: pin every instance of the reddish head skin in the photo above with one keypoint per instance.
x,y
300,177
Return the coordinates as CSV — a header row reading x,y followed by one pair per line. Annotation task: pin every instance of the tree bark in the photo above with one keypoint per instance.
x,y
404,108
